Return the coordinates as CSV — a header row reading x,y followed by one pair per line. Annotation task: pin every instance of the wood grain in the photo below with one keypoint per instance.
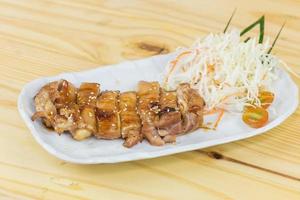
x,y
42,38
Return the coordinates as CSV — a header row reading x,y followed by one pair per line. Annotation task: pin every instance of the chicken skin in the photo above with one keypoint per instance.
x,y
191,106
86,100
108,119
52,101
148,108
130,121
170,122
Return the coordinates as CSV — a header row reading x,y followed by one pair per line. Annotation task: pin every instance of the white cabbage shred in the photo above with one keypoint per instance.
x,y
226,71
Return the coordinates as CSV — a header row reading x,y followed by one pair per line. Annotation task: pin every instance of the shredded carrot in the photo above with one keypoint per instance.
x,y
219,118
206,128
212,111
210,68
174,62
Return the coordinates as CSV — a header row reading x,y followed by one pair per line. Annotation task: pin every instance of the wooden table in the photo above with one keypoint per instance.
x,y
42,38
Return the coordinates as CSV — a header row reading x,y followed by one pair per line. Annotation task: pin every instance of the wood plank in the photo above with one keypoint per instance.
x,y
42,38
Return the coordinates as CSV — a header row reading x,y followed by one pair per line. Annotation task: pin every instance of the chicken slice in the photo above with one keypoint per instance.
x,y
86,125
191,107
169,116
44,103
50,100
87,94
148,108
130,121
66,119
86,100
67,93
107,116
66,106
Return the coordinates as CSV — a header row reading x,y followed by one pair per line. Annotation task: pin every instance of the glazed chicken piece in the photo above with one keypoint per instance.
x,y
66,119
44,103
130,121
107,116
169,123
191,107
66,94
87,94
148,108
66,107
86,100
51,104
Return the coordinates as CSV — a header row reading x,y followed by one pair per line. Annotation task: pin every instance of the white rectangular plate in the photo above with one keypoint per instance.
x,y
125,76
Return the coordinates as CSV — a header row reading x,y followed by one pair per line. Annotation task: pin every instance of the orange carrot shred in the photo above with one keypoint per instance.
x,y
212,111
219,118
174,62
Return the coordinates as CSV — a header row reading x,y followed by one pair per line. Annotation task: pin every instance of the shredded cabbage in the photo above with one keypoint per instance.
x,y
226,71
